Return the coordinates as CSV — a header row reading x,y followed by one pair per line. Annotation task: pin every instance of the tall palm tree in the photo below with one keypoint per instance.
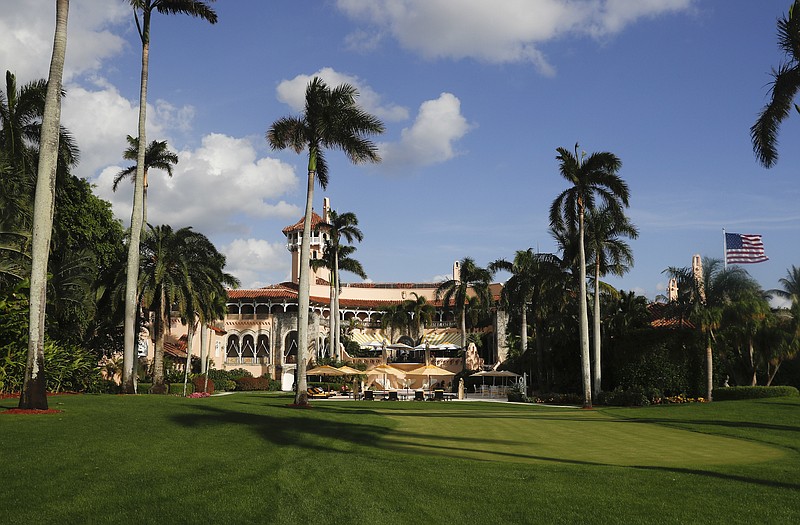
x,y
343,225
330,119
791,288
34,388
394,317
471,278
145,10
784,88
208,282
157,156
519,288
592,177
341,261
609,253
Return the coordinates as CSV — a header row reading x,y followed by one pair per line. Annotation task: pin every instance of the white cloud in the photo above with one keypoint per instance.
x,y
26,36
292,92
251,259
431,138
500,31
211,189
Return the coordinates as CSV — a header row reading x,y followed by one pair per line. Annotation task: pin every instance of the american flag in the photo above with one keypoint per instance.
x,y
744,248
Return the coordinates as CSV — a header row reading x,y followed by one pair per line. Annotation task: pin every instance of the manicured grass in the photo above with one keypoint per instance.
x,y
248,458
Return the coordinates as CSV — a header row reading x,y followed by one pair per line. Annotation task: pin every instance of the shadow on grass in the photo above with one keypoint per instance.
x,y
316,429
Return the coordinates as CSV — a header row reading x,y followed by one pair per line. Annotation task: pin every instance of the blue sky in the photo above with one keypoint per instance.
x,y
476,97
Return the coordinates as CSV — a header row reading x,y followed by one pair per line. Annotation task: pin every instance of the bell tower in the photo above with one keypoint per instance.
x,y
320,234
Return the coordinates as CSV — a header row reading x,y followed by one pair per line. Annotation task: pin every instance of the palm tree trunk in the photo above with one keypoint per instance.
x,y
158,350
584,317
203,347
463,338
331,319
34,386
337,321
751,363
189,337
596,317
709,371
132,270
771,374
301,396
524,328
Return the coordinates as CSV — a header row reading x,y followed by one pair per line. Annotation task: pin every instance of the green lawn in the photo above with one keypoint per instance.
x,y
248,458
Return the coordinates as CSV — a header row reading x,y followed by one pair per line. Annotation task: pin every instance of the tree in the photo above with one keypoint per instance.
x,y
156,156
784,87
702,300
342,225
471,278
591,177
421,313
145,8
34,389
330,119
207,282
609,253
342,261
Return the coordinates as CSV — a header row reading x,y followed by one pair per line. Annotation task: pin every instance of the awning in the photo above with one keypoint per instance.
x,y
453,338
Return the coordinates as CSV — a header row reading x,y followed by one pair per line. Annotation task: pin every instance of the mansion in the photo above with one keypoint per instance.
x,y
259,331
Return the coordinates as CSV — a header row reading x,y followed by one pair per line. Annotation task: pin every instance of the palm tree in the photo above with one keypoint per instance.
x,y
609,253
146,8
342,261
344,225
785,84
157,156
471,278
703,300
34,388
791,287
394,317
421,313
331,119
207,289
591,177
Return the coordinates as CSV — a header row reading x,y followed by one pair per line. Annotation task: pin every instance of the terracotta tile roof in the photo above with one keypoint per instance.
x,y
175,349
666,315
275,291
316,220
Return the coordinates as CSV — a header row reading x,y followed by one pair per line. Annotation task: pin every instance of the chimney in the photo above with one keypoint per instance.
x,y
326,210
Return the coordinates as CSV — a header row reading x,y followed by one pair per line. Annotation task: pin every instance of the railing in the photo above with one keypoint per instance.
x,y
441,324
263,360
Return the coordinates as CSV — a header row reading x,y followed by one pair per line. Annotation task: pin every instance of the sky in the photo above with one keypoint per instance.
x,y
476,96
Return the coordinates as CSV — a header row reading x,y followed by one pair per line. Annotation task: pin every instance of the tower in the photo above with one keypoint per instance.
x,y
319,239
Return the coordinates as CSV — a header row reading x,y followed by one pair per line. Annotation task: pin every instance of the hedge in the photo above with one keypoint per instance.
x,y
754,392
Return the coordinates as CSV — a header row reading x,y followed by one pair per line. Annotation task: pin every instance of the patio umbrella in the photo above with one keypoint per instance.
x,y
385,370
325,370
350,371
430,371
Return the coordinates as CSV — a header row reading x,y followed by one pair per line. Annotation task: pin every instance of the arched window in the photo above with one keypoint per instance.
x,y
248,349
233,352
262,349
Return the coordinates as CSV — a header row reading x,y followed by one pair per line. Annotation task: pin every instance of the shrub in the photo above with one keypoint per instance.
x,y
144,388
252,383
105,386
225,385
515,393
199,382
624,398
177,388
754,392
558,399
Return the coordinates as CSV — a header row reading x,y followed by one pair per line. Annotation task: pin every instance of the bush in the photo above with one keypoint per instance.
x,y
200,384
252,383
558,399
105,386
177,388
515,393
624,398
144,388
224,385
754,392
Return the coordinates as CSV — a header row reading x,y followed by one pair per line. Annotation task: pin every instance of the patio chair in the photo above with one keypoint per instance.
x,y
393,395
368,396
419,395
438,395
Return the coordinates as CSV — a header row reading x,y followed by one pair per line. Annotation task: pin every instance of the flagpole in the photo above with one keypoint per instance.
x,y
724,249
